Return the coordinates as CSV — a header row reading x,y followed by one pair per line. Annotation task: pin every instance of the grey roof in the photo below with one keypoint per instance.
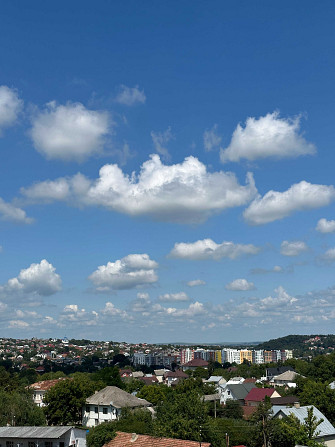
x,y
34,432
211,397
241,390
112,395
215,379
325,428
287,375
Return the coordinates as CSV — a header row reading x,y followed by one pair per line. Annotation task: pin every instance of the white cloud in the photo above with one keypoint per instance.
x,y
326,226
211,139
130,96
10,107
276,205
208,249
329,255
293,248
184,192
111,310
69,132
13,213
73,314
174,297
240,284
196,282
131,271
267,136
160,140
18,324
40,279
192,310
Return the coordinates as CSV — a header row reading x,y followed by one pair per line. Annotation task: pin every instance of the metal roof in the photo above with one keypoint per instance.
x,y
324,429
34,432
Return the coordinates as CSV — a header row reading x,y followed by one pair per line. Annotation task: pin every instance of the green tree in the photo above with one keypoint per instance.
x,y
17,408
232,410
98,436
153,393
264,424
305,433
137,421
181,415
65,400
110,376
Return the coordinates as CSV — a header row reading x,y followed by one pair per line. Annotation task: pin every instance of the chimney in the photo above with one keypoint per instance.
x,y
134,437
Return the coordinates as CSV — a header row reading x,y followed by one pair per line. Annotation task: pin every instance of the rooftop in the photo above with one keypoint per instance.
x,y
112,395
134,440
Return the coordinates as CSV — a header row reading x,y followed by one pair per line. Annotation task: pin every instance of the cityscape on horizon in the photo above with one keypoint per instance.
x,y
167,171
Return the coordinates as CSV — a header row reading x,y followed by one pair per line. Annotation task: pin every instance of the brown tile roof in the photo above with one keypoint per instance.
x,y
258,394
134,440
45,385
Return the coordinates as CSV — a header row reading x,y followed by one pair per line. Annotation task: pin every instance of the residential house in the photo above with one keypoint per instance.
x,y
60,436
287,379
106,405
159,373
276,371
257,395
174,377
40,389
235,392
216,380
194,364
133,440
326,431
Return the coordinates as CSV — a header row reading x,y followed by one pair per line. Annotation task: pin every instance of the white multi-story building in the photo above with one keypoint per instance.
x,y
232,356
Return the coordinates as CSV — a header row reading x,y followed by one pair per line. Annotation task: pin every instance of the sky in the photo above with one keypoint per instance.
x,y
167,170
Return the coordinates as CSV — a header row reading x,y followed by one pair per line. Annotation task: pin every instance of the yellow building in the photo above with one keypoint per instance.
x,y
218,356
245,354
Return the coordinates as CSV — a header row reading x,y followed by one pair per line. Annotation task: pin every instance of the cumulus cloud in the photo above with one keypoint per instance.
x,y
12,213
111,310
69,132
208,249
73,314
130,96
160,140
171,297
185,192
293,248
267,136
329,255
10,107
326,226
240,285
192,310
40,279
276,205
196,282
211,139
18,324
127,273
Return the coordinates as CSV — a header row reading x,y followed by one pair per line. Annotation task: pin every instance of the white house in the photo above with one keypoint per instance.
x,y
61,436
106,405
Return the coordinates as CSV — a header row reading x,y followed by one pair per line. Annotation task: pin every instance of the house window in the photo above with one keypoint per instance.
x,y
96,410
105,410
97,422
61,444
48,443
9,443
87,409
31,444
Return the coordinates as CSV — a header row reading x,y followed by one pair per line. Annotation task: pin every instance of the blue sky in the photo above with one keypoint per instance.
x,y
167,170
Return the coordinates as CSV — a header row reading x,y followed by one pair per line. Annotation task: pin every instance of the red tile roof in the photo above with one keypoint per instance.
x,y
258,394
45,385
134,440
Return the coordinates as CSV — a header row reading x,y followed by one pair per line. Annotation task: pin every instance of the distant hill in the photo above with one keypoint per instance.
x,y
301,344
